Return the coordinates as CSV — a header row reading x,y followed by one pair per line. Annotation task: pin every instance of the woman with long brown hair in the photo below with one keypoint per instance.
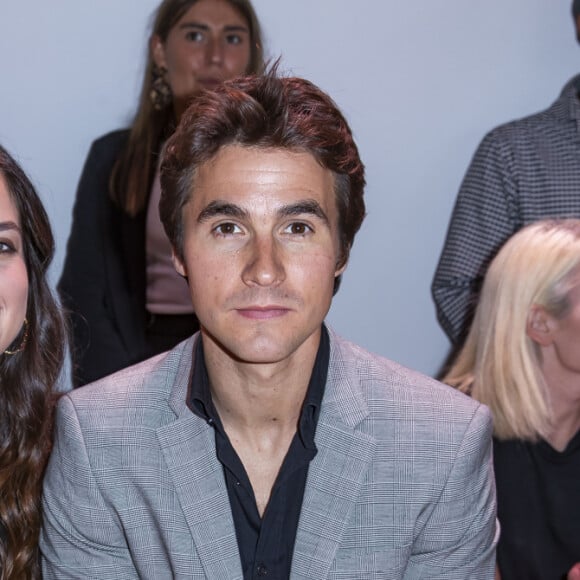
x,y
31,354
127,301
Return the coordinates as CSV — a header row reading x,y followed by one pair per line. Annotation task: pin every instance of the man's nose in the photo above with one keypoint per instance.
x,y
265,264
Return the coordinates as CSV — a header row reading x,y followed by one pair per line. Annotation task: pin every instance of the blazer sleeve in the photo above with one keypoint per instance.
x,y
81,537
457,538
484,217
97,346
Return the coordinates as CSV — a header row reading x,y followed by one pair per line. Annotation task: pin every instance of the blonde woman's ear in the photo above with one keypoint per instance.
x,y
540,325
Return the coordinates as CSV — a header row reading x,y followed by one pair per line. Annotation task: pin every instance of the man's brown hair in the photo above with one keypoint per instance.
x,y
266,111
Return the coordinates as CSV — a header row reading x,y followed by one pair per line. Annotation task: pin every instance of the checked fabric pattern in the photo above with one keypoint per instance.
x,y
401,488
522,171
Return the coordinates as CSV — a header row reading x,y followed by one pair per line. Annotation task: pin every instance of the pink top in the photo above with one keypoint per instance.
x,y
167,292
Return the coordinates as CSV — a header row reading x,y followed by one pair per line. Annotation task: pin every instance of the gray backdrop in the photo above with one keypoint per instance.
x,y
420,82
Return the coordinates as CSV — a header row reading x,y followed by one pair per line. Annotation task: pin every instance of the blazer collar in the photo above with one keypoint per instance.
x,y
188,446
180,367
337,473
343,397
334,479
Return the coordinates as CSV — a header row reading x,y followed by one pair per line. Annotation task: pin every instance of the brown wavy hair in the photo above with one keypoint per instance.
x,y
27,394
268,111
133,171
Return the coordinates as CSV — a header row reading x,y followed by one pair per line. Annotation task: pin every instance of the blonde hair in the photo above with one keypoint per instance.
x,y
500,364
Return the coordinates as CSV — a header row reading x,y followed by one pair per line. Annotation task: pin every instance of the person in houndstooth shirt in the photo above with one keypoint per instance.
x,y
522,171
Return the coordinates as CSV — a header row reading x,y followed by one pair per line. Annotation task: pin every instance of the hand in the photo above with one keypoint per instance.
x,y
574,573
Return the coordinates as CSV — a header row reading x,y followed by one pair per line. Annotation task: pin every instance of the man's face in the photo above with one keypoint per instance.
x,y
261,249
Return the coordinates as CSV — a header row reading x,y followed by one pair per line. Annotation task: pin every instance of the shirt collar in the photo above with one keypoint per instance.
x,y
201,404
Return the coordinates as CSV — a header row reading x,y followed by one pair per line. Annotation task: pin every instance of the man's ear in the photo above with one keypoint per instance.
x,y
340,268
178,264
342,262
540,325
157,49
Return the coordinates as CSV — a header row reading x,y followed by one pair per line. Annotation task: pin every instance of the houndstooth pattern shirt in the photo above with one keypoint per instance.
x,y
523,171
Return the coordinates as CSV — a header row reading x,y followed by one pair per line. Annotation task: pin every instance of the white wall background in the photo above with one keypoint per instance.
x,y
420,82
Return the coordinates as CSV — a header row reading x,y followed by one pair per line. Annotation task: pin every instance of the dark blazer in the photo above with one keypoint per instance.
x,y
103,282
401,488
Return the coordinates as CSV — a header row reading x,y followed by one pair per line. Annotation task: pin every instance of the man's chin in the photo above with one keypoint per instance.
x,y
258,346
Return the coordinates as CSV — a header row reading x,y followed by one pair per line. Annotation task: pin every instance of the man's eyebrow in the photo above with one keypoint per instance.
x,y
221,208
308,206
205,27
9,226
227,209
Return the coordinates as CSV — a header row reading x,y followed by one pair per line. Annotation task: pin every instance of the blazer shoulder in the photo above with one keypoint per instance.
x,y
149,386
387,384
104,151
111,140
102,154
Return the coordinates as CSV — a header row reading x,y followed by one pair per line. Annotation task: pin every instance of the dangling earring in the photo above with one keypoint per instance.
x,y
23,342
160,93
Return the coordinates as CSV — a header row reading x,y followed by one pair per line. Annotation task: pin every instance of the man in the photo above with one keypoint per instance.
x,y
267,446
523,171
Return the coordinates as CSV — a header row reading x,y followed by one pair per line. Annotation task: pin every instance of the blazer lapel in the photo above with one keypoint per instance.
x,y
188,445
336,473
334,480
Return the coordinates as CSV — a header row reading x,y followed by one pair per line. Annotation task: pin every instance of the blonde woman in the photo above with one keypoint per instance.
x,y
522,359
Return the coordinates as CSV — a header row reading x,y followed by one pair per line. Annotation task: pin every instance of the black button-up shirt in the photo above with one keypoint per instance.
x,y
266,544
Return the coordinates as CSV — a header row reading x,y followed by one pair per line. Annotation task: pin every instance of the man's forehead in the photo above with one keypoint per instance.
x,y
237,154
261,167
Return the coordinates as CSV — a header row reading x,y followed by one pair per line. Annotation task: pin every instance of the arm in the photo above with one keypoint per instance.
x,y
96,343
484,216
81,537
458,536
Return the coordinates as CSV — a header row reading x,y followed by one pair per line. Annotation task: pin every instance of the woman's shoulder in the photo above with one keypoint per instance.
x,y
104,151
112,140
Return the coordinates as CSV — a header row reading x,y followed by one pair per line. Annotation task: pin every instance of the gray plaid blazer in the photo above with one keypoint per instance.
x,y
402,485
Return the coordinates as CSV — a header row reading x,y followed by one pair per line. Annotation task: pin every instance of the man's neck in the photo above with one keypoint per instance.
x,y
259,407
259,397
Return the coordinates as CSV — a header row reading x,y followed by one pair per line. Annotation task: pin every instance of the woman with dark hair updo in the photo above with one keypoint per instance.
x,y
126,300
31,354
522,359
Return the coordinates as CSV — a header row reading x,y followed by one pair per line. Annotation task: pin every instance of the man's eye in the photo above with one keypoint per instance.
x,y
298,228
227,229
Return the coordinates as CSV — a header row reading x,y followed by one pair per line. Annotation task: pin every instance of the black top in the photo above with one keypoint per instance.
x,y
266,544
538,509
103,281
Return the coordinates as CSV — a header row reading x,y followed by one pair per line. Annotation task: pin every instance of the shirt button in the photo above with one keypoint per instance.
x,y
262,570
